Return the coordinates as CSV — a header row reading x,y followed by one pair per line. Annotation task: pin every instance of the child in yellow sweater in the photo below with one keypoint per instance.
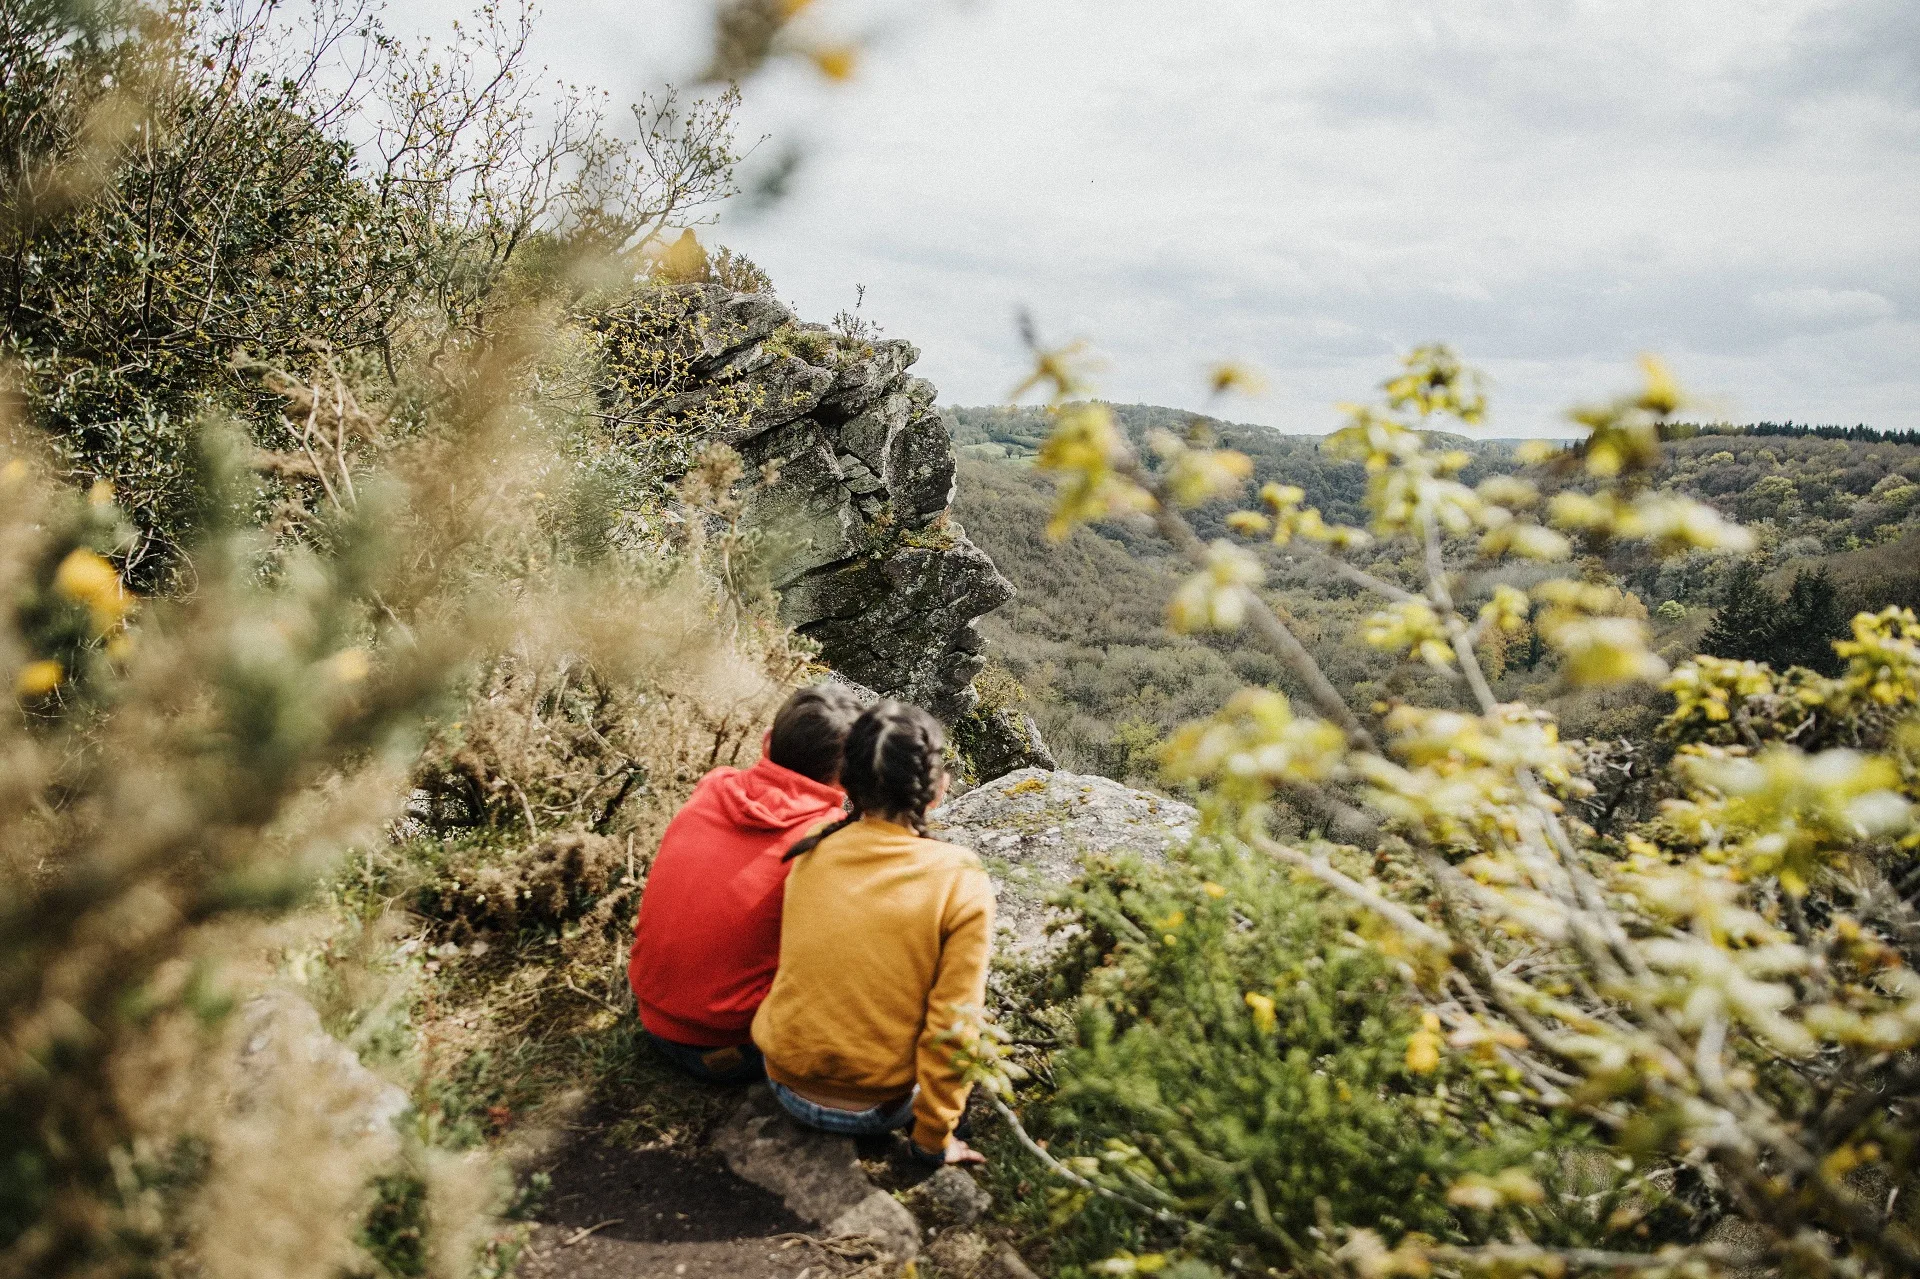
x,y
884,939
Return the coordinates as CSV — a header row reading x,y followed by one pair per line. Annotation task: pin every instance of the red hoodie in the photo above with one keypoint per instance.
x,y
708,936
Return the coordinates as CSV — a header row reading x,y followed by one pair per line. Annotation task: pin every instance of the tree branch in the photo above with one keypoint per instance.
x,y
1399,916
1326,699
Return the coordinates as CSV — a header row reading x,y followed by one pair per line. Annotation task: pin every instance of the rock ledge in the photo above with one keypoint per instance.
x,y
1032,827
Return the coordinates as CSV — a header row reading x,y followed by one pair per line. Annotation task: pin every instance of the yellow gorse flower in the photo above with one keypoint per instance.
x,y
837,61
1231,375
87,578
37,679
349,665
1423,1052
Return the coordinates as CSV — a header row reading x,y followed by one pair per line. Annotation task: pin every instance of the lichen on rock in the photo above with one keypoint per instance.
x,y
1032,827
857,531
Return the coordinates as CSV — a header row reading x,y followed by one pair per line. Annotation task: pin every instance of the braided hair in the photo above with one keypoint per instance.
x,y
892,769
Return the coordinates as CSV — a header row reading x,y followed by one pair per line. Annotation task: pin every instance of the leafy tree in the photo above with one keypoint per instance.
x,y
357,506
1236,1046
184,207
1754,624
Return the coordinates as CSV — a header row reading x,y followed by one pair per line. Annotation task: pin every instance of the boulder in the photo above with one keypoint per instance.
x,y
856,529
817,1175
1032,827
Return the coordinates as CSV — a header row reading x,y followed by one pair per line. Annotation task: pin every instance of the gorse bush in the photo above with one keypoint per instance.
x,y
237,738
334,427
185,208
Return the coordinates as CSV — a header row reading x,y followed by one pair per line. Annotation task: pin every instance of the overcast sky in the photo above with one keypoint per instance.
x,y
1314,186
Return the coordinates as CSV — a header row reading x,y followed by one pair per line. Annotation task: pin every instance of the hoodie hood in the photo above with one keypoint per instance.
x,y
768,797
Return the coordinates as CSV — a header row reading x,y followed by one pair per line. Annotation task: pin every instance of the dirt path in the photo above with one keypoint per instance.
x,y
615,1211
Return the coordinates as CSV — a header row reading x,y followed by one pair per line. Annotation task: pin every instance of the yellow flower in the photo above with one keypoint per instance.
x,y
37,679
1423,1046
1213,890
1196,475
1662,393
349,665
1216,599
1483,1193
88,579
1084,448
1248,523
1263,1018
837,61
1235,376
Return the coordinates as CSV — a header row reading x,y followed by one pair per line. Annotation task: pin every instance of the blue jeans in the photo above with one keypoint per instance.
x,y
848,1123
738,1065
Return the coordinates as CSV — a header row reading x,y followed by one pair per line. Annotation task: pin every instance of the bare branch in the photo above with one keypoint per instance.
x,y
1399,916
1174,527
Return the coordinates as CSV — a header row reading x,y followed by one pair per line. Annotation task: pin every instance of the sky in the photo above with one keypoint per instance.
x,y
1316,186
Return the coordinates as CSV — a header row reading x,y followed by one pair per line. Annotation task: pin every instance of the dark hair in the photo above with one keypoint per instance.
x,y
892,768
810,730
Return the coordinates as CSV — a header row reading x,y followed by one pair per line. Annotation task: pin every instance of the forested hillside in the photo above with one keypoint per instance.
x,y
1088,643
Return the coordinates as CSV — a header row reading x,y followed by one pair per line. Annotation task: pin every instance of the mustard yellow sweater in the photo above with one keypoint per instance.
x,y
884,936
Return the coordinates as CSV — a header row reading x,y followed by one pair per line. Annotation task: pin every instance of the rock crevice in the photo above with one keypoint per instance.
x,y
857,530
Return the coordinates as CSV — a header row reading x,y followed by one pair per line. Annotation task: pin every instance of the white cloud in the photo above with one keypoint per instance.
x,y
1827,307
1316,185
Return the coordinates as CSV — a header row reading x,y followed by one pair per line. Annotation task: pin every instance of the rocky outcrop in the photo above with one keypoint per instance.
x,y
1032,827
857,532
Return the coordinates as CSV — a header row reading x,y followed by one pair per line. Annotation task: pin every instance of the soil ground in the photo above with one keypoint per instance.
x,y
615,1210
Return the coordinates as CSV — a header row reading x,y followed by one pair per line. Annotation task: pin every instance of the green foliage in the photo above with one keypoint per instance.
x,y
225,219
326,388
395,1235
184,799
185,210
1752,623
1240,1052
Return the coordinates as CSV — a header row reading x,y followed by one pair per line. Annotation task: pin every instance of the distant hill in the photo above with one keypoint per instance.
x,y
1086,638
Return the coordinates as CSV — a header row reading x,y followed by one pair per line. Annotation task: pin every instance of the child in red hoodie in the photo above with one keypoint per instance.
x,y
708,936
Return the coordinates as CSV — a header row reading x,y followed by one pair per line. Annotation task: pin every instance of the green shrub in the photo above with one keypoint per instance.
x,y
1240,1055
